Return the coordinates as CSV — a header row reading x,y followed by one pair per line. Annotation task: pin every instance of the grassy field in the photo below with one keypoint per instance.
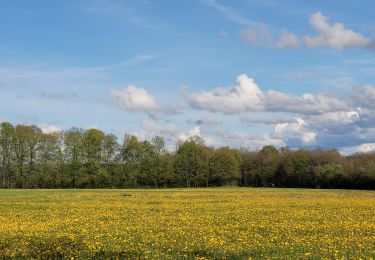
x,y
231,223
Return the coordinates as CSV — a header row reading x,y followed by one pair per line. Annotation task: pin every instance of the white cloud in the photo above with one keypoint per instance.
x,y
308,137
364,95
234,135
152,126
266,120
173,108
318,116
307,104
332,119
287,40
334,36
48,129
258,35
266,140
246,95
195,131
363,148
134,99
298,129
245,140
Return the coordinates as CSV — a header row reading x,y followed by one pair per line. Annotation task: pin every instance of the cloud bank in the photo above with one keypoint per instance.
x,y
334,36
310,118
245,96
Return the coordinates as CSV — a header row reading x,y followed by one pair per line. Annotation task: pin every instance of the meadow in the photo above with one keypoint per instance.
x,y
212,223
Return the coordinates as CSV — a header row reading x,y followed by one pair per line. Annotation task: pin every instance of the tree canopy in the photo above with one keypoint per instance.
x,y
78,158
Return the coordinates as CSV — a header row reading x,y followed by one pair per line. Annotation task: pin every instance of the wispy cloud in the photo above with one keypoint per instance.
x,y
125,11
58,96
229,13
138,60
114,8
258,35
15,72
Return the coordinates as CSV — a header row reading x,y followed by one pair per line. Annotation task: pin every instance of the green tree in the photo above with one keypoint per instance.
x,y
93,144
6,143
250,169
327,174
73,152
269,163
25,143
168,176
110,152
131,154
49,152
190,162
296,166
224,167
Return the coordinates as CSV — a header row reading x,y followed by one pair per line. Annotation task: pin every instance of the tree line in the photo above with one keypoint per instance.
x,y
90,158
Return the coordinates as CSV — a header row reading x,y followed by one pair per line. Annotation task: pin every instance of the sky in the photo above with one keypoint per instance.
x,y
239,73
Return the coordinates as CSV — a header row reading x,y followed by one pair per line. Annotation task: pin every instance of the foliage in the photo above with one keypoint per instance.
x,y
79,158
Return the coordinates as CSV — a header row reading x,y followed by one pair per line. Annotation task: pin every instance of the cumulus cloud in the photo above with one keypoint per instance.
x,y
266,120
333,119
309,118
246,95
243,96
211,137
173,108
195,131
362,148
150,128
247,141
306,104
48,129
266,140
234,135
287,40
298,130
258,35
134,99
153,127
335,36
364,95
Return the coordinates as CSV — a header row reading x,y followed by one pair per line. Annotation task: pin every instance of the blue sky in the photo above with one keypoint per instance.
x,y
243,73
